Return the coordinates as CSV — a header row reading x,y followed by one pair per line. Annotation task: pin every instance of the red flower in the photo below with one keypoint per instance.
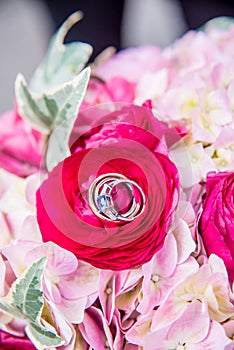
x,y
11,342
217,219
128,142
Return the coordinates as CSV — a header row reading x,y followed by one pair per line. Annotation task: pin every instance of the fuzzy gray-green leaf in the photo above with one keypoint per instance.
x,y
25,298
46,111
63,61
58,143
220,23
42,337
27,294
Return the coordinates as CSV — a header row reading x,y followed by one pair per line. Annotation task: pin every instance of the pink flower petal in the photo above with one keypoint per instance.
x,y
215,340
192,326
15,254
165,259
59,260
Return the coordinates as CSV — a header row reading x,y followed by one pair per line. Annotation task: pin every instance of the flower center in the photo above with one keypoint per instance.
x,y
114,197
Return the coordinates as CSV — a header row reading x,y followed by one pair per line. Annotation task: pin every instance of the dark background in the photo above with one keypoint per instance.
x,y
105,16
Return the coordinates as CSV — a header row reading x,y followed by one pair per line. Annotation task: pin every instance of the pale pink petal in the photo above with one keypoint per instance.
x,y
122,64
16,253
13,202
73,310
59,260
192,326
218,100
33,182
231,93
158,341
2,277
128,301
215,340
118,337
152,85
184,241
185,210
167,313
151,296
181,272
5,236
229,328
52,292
119,284
30,230
225,138
230,346
107,293
160,267
128,279
81,283
165,259
217,265
154,291
140,329
92,330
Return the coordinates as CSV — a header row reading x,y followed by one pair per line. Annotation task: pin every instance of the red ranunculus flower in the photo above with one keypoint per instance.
x,y
11,342
129,141
217,219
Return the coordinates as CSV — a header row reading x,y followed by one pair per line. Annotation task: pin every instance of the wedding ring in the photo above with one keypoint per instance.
x,y
101,198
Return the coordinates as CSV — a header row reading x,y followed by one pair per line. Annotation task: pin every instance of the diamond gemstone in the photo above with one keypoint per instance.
x,y
102,203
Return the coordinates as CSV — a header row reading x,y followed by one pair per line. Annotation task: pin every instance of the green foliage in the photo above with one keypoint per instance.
x,y
63,61
220,23
46,111
52,102
25,301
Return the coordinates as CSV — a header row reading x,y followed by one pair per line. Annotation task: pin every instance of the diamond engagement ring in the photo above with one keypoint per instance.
x,y
103,198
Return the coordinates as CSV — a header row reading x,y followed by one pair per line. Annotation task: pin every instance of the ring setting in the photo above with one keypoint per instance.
x,y
102,198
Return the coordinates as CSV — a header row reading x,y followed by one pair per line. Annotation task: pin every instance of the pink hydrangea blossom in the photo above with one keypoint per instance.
x,y
96,332
192,330
209,284
162,273
123,65
17,208
69,286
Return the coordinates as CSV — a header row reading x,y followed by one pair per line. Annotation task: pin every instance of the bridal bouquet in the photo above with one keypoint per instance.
x,y
117,198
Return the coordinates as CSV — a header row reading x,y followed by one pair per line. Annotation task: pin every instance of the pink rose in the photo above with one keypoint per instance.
x,y
21,146
11,342
116,89
217,220
129,141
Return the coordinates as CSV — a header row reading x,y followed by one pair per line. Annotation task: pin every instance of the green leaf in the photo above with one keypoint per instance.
x,y
9,310
220,23
58,148
46,111
33,108
43,338
63,61
25,298
25,301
